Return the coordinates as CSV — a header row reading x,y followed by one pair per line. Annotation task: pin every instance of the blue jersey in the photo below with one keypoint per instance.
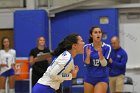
x,y
95,69
119,58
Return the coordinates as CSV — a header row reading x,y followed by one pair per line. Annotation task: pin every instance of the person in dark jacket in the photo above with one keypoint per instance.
x,y
117,63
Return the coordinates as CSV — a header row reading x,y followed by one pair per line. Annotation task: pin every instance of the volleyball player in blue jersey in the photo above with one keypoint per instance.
x,y
96,54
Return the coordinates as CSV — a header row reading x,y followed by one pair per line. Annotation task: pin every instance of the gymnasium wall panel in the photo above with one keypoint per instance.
x,y
28,26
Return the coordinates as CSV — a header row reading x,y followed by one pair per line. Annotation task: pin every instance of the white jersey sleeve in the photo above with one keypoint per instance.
x,y
58,71
1,62
56,74
13,53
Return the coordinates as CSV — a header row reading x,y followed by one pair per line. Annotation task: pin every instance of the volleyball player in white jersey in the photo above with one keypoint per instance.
x,y
7,65
62,68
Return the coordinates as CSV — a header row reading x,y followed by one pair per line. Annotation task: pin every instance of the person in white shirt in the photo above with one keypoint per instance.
x,y
7,65
62,68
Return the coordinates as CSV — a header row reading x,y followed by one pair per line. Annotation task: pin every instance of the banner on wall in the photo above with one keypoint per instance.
x,y
22,68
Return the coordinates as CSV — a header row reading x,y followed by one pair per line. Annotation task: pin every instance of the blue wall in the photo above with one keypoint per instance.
x,y
28,26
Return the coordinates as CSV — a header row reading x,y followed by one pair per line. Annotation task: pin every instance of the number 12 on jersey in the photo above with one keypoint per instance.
x,y
96,62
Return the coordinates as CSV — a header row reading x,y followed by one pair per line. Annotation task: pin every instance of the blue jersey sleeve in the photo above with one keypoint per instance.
x,y
107,52
84,55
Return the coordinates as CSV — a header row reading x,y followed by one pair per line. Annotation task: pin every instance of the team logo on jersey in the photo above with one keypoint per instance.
x,y
96,62
118,56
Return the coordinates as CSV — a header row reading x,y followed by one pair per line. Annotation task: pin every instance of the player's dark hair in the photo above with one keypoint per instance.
x,y
2,41
66,44
90,40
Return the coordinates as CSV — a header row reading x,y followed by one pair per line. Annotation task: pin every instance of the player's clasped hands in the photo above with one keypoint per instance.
x,y
88,51
99,49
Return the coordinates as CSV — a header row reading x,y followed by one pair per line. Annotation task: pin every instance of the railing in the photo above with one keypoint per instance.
x,y
56,3
56,6
30,81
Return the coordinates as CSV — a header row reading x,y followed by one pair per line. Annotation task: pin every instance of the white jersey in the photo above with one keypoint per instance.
x,y
58,71
7,58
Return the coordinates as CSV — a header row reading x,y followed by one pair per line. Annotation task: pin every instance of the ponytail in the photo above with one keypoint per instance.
x,y
65,44
60,49
90,40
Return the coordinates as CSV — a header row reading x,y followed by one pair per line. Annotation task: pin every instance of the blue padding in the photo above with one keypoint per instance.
x,y
76,89
22,86
28,26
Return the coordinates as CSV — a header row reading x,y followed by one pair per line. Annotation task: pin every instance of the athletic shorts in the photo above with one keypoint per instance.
x,y
95,80
8,73
39,88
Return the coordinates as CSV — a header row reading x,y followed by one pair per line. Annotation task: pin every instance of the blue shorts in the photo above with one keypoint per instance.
x,y
39,88
8,73
96,80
